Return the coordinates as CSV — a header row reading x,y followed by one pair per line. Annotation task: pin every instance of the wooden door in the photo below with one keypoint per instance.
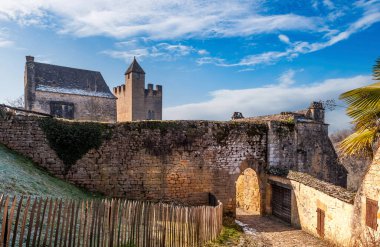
x,y
281,202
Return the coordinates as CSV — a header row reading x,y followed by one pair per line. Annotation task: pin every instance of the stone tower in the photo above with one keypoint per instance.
x,y
134,101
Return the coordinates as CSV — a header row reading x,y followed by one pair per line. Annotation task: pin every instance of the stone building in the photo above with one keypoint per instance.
x,y
67,92
134,101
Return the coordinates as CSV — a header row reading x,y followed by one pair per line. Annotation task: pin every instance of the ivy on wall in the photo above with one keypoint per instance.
x,y
71,140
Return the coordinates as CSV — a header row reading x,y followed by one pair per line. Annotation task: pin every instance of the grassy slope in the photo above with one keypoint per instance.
x,y
19,175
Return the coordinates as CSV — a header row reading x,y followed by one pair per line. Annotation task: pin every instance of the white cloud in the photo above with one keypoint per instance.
x,y
4,39
287,78
370,16
156,19
203,52
284,38
269,99
162,51
5,42
329,4
128,55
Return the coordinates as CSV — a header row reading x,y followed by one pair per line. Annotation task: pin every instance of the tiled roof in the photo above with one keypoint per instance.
x,y
54,78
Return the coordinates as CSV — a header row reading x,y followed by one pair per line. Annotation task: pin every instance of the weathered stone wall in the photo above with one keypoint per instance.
x,y
86,108
170,160
370,188
357,168
305,147
177,161
309,194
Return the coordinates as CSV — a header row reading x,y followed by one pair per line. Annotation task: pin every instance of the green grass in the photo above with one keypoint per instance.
x,y
229,236
20,176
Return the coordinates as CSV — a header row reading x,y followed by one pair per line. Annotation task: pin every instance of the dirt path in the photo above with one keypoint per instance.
x,y
274,232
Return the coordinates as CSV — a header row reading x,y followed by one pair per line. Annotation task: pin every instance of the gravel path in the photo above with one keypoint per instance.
x,y
270,231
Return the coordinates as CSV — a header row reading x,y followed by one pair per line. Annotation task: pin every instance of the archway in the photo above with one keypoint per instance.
x,y
248,196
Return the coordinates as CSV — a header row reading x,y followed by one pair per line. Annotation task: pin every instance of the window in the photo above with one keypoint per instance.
x,y
62,109
149,115
371,213
320,222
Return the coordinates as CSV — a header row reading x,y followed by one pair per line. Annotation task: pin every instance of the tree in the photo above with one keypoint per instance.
x,y
364,109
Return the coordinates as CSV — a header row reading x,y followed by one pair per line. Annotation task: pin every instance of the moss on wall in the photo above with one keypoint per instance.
x,y
284,128
222,132
71,140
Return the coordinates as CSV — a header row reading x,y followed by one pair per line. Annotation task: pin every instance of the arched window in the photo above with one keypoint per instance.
x,y
149,115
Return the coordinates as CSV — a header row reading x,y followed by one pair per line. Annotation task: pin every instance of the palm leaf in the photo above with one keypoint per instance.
x,y
364,118
376,70
364,97
360,143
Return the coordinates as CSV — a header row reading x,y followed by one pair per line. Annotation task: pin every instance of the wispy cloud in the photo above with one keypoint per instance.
x,y
284,38
161,51
4,39
287,78
270,99
370,16
155,19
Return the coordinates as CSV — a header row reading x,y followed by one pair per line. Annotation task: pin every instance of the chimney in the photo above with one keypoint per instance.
x,y
29,58
317,111
237,115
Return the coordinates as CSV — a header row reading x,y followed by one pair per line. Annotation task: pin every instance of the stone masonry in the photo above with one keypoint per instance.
x,y
134,101
180,161
69,93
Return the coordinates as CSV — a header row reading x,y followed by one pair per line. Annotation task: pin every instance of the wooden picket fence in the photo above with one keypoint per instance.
x,y
27,221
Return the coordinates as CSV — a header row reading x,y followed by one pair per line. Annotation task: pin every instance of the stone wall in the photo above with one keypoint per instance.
x,y
305,147
86,108
309,194
369,189
169,161
172,160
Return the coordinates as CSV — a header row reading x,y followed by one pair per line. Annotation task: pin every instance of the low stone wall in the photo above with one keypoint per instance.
x,y
310,194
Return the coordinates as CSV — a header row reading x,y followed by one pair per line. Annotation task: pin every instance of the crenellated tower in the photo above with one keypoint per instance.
x,y
134,101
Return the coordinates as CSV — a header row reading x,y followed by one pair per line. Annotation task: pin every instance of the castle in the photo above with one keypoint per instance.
x,y
134,101
79,94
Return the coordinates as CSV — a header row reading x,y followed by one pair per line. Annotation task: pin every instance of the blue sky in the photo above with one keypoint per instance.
x,y
212,57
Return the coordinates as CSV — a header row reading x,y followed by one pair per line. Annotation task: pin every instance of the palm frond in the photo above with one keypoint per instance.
x,y
364,97
376,70
360,142
364,118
